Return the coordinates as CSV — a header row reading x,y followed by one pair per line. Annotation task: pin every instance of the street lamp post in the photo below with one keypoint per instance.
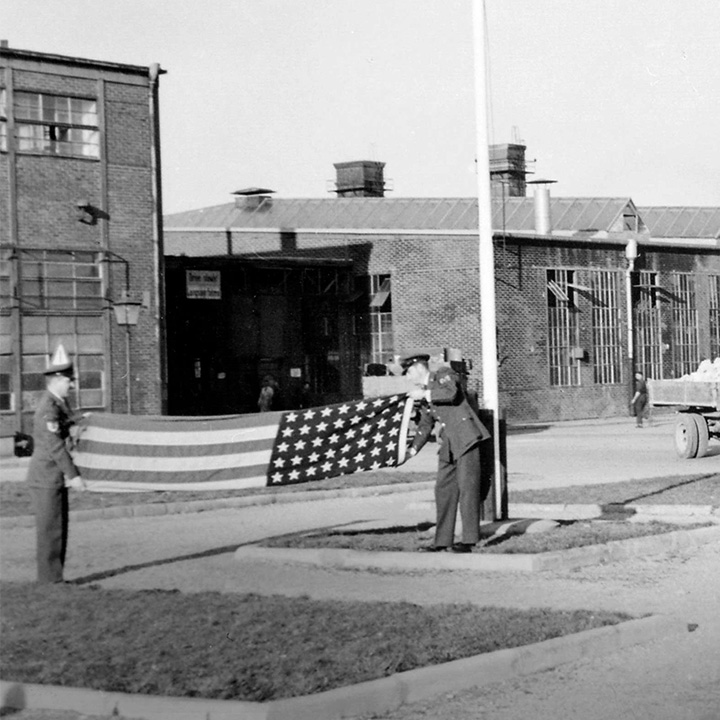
x,y
127,313
631,253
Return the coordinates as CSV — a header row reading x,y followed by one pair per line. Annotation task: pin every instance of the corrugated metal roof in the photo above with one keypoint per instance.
x,y
679,222
449,214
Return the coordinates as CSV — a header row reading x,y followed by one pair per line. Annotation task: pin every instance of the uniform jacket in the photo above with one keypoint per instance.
x,y
51,459
461,429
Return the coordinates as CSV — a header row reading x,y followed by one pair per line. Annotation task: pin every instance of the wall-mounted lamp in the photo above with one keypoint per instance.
x,y
88,214
127,311
631,252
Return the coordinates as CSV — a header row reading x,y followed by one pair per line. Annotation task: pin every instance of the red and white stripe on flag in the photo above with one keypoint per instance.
x,y
125,453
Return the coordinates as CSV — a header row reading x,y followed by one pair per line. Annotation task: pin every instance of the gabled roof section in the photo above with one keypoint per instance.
x,y
419,214
682,222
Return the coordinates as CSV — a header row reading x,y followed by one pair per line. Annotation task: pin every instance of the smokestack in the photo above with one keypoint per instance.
x,y
360,178
543,219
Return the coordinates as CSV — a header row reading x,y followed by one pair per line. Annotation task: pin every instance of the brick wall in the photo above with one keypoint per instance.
x,y
436,298
48,191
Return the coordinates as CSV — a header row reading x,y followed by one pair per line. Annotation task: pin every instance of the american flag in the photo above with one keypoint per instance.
x,y
124,453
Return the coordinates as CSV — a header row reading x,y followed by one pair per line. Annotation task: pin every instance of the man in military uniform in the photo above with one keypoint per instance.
x,y
444,400
52,471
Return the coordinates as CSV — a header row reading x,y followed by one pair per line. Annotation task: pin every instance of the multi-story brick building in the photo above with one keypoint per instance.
x,y
317,290
80,231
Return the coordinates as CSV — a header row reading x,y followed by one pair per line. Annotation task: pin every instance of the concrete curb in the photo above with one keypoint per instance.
x,y
516,510
189,506
492,562
376,696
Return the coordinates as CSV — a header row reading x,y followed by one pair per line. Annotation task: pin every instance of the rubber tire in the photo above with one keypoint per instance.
x,y
686,436
703,435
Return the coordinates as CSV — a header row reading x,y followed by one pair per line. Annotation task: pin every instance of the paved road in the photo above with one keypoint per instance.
x,y
678,681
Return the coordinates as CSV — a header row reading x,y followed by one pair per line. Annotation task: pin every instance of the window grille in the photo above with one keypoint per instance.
x,y
685,357
606,328
714,286
563,328
648,324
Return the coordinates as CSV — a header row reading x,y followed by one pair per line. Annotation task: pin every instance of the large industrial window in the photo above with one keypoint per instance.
x,y
83,339
714,287
6,364
648,324
52,124
381,328
59,280
684,324
563,328
60,300
606,329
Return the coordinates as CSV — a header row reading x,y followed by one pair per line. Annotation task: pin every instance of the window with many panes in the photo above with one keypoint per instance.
x,y
83,339
606,328
563,328
685,349
714,288
60,280
7,397
381,328
51,124
648,324
60,300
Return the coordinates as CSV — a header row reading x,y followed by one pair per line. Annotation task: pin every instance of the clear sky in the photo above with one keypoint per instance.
x,y
612,98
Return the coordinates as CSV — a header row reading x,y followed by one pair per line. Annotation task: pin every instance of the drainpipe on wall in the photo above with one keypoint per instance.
x,y
154,72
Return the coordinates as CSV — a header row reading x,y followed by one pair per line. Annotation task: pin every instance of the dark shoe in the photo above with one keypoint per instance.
x,y
462,548
433,548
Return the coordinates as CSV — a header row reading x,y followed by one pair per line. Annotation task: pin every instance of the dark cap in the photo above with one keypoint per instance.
x,y
406,362
60,364
65,369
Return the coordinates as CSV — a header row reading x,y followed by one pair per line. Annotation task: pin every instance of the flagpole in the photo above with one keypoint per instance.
x,y
486,253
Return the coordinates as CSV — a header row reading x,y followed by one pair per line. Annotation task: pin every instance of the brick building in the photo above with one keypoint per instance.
x,y
80,231
318,290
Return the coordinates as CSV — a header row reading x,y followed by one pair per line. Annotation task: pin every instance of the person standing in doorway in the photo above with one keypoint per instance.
x,y
269,395
444,400
52,470
640,399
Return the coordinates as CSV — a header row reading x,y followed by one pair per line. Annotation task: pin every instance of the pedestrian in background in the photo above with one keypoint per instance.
x,y
443,399
269,395
52,470
639,400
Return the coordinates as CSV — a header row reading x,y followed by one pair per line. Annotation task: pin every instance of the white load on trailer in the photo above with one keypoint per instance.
x,y
697,398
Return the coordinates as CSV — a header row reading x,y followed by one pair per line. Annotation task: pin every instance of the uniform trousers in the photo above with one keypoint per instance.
x,y
458,483
51,526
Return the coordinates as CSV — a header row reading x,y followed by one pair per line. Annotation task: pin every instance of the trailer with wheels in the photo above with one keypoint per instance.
x,y
698,408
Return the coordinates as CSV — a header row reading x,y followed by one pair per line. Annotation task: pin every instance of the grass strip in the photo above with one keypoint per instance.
x,y
246,647
15,496
680,490
411,539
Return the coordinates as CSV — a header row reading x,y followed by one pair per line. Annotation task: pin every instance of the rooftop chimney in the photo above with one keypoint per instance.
x,y
543,219
253,198
507,170
360,178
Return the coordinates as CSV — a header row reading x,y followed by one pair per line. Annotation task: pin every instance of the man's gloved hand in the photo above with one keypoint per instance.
x,y
76,483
